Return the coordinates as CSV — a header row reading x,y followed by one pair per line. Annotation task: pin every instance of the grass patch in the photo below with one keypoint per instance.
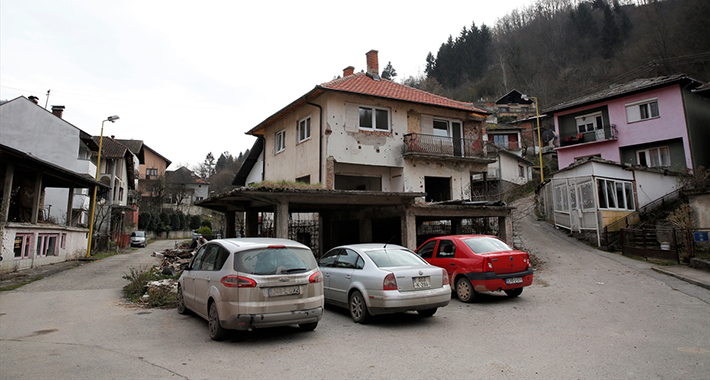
x,y
137,290
13,287
104,254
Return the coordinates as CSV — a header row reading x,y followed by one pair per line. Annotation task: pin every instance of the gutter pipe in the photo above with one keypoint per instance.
x,y
320,139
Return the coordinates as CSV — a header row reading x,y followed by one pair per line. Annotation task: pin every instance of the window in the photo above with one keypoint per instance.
x,y
150,173
647,109
22,245
304,129
305,179
279,141
441,128
521,171
446,249
615,195
349,259
589,123
47,244
653,157
376,119
427,250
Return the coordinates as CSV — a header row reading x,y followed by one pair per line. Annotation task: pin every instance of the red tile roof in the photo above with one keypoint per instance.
x,y
361,83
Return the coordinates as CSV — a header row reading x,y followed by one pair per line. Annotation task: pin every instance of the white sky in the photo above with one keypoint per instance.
x,y
190,78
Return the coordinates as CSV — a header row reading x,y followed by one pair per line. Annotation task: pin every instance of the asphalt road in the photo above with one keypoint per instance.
x,y
588,315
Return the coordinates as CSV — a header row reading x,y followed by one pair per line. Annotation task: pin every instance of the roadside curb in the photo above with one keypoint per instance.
x,y
681,277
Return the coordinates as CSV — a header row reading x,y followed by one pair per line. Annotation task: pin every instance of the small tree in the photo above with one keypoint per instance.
x,y
175,222
144,220
207,223
195,222
389,72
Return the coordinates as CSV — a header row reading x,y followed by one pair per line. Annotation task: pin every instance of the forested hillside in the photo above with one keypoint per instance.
x,y
557,49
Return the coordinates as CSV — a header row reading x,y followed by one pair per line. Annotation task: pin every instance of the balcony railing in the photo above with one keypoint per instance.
x,y
609,132
416,143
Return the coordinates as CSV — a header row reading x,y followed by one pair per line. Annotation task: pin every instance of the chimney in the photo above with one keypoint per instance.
x,y
58,111
348,71
113,137
373,66
34,99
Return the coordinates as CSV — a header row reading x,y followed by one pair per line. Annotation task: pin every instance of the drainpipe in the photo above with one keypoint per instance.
x,y
320,139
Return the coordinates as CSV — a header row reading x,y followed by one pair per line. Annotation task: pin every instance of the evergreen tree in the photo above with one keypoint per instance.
x,y
389,72
430,63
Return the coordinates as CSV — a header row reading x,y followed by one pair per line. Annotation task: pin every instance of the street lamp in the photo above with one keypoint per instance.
x,y
93,198
539,141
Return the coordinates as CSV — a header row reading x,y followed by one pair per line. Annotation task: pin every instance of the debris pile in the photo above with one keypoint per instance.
x,y
173,261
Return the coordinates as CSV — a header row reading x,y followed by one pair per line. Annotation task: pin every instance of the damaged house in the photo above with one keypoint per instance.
x,y
387,162
46,174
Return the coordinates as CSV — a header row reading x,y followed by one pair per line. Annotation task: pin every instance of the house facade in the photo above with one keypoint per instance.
x,y
361,132
184,188
116,209
152,167
44,160
656,122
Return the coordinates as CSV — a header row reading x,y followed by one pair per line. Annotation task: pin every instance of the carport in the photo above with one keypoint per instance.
x,y
347,216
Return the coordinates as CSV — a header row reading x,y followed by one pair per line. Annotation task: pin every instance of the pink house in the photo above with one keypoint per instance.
x,y
656,122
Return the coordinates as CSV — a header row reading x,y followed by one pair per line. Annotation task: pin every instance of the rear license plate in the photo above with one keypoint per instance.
x,y
284,291
514,280
421,282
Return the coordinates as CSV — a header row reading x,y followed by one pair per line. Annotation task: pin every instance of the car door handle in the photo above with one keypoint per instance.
x,y
348,276
452,264
326,274
208,279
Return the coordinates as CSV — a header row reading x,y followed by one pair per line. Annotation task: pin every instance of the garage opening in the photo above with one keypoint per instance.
x,y
437,189
387,230
347,182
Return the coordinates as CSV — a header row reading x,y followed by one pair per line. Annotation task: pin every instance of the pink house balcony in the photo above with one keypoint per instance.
x,y
609,132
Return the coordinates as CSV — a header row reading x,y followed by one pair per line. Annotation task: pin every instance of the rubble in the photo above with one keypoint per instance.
x,y
174,261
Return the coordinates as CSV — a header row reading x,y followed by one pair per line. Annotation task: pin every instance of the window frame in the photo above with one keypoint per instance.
x,y
25,246
299,129
646,104
648,157
44,243
279,141
610,192
595,117
373,127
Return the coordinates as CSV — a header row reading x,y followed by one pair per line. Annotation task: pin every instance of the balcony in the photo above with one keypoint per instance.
x,y
609,132
416,144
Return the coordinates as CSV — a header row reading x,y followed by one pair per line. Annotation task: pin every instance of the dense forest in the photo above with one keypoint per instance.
x,y
558,49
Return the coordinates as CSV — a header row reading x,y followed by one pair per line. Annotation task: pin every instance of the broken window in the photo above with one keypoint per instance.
x,y
437,189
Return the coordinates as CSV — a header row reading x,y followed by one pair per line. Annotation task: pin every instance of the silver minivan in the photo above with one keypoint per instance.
x,y
246,283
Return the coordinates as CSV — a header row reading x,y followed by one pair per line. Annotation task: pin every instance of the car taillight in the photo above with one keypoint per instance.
x,y
446,277
527,260
390,283
488,265
232,281
316,278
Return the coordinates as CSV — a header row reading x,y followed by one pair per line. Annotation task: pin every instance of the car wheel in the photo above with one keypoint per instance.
x,y
181,308
512,293
464,290
358,308
427,312
308,326
217,332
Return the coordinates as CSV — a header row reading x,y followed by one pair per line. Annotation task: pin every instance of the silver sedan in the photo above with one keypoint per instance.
x,y
373,279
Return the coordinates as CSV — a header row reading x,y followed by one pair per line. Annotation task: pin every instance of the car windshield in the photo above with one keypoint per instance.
x,y
138,234
482,245
267,261
393,257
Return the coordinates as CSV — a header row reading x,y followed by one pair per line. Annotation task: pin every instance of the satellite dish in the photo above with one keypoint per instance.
x,y
547,136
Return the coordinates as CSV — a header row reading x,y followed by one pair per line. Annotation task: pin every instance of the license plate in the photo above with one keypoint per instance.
x,y
421,282
284,291
514,280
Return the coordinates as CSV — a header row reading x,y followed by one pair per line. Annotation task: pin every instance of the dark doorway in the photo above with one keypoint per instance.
x,y
437,189
346,232
387,230
348,182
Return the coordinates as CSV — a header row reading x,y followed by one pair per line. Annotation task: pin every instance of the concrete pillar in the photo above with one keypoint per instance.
x,y
251,224
37,198
409,229
70,205
281,219
456,226
365,230
7,192
505,229
230,224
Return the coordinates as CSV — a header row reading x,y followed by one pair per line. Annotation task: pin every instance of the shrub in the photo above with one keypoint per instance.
x,y
207,223
205,231
195,222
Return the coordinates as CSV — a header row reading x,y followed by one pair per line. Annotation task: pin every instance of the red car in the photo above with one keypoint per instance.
x,y
479,263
